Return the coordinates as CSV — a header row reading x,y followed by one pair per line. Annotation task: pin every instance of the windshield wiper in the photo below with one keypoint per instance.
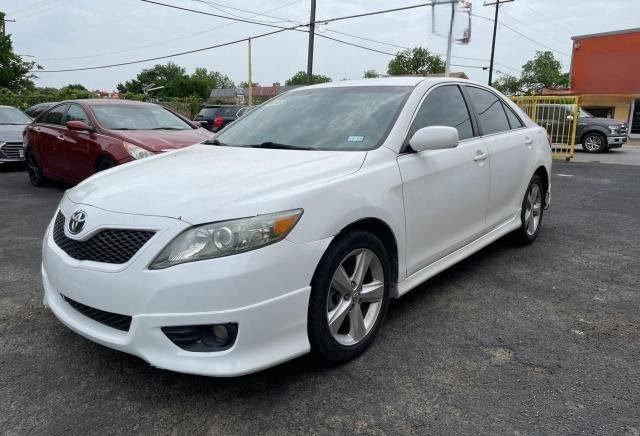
x,y
213,142
167,128
13,124
275,145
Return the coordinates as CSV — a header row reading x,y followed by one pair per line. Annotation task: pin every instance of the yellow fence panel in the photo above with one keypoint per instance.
x,y
558,115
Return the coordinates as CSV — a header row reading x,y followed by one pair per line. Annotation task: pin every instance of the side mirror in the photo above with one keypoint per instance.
x,y
202,123
79,126
434,138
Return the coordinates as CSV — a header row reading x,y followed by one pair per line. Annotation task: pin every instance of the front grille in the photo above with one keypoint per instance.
x,y
12,150
107,246
113,320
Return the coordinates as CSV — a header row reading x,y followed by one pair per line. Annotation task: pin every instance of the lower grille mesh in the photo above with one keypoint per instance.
x,y
113,320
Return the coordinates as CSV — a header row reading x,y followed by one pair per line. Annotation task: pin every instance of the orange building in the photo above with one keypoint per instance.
x,y
605,74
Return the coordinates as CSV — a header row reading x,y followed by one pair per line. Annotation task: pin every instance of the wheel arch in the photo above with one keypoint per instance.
x,y
541,172
592,129
382,231
101,157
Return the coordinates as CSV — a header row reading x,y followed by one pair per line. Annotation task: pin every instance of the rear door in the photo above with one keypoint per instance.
x,y
76,150
511,153
445,191
50,136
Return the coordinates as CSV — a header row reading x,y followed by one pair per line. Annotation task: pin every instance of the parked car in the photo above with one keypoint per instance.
x,y
12,123
215,116
37,109
595,134
78,138
281,235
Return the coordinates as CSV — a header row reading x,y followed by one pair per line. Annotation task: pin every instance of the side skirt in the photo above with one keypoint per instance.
x,y
440,265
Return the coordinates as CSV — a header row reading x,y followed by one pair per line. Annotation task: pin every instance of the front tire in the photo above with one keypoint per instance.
x,y
349,297
594,143
34,170
532,211
104,164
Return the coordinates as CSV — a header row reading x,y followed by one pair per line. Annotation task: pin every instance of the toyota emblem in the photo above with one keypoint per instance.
x,y
76,223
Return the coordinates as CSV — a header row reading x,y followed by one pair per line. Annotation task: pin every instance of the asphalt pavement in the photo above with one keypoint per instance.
x,y
543,339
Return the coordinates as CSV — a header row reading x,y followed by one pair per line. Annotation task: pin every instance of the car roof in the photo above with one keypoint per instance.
x,y
221,105
107,101
390,81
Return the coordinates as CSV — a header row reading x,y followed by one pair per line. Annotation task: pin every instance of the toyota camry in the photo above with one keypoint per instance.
x,y
291,229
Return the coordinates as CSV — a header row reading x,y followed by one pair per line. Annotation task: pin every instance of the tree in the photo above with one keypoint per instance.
x,y
371,74
543,71
15,73
416,61
73,91
245,84
300,78
176,82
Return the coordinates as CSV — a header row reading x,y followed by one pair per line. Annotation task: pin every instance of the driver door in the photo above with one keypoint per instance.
x,y
446,192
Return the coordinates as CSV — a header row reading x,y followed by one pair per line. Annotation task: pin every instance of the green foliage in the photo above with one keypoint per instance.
x,y
371,74
72,92
245,84
176,82
15,73
543,71
416,61
300,78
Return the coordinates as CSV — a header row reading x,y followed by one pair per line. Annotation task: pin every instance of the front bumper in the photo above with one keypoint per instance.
x,y
265,291
616,141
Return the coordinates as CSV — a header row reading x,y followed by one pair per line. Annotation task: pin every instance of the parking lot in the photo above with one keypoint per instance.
x,y
543,339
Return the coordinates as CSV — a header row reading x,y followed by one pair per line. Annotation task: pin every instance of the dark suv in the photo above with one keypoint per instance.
x,y
595,134
215,116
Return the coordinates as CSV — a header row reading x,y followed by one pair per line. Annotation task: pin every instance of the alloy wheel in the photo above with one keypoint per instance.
x,y
533,209
355,297
593,143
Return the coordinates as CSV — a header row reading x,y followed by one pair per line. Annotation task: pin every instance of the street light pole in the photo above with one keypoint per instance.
x,y
250,85
447,64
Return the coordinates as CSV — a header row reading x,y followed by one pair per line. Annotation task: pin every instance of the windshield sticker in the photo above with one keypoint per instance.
x,y
355,139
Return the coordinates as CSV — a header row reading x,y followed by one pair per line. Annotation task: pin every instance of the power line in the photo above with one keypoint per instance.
x,y
166,41
28,7
279,30
547,20
222,8
535,30
524,36
46,8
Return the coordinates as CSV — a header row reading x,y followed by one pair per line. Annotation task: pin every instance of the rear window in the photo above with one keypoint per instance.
x,y
212,112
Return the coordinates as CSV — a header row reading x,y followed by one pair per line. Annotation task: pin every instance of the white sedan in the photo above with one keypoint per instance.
x,y
291,229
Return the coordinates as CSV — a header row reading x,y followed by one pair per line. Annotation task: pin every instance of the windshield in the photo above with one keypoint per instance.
x,y
340,118
585,114
11,115
212,112
138,117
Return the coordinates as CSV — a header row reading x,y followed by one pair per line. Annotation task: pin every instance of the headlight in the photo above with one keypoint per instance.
x,y
614,129
225,238
135,151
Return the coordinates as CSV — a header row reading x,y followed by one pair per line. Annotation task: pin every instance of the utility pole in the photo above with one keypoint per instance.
x,y
312,31
3,24
250,90
497,4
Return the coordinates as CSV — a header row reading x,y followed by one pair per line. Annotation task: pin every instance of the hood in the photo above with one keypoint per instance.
x,y
206,183
601,121
11,133
159,140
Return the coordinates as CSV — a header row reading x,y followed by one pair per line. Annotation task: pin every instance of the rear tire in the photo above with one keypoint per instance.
x,y
349,297
594,142
34,170
532,211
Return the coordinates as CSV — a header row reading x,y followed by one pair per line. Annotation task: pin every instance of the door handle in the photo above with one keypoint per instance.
x,y
60,138
528,142
480,156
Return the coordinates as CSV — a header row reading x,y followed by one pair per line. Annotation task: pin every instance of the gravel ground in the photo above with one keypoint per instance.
x,y
543,339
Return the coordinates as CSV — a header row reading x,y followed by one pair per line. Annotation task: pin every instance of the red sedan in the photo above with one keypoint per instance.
x,y
77,138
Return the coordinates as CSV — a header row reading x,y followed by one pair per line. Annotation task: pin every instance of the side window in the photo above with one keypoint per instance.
x,y
514,121
55,115
444,106
489,109
76,113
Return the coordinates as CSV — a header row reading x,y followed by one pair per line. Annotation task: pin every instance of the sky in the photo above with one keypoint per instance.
x,y
66,34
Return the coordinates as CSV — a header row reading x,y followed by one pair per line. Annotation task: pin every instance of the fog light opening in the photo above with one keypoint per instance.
x,y
203,338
